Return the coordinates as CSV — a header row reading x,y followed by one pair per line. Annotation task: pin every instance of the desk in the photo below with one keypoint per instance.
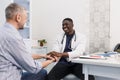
x,y
105,68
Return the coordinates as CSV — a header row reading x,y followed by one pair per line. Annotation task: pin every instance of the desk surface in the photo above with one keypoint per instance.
x,y
109,61
109,67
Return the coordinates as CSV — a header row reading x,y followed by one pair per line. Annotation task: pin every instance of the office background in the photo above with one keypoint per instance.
x,y
98,19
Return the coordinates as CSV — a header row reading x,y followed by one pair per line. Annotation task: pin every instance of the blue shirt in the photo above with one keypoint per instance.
x,y
67,46
14,56
68,43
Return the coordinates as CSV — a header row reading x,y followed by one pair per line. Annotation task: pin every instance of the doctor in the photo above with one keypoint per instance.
x,y
69,44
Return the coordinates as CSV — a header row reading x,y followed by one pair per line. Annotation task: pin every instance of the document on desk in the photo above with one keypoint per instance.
x,y
91,57
107,54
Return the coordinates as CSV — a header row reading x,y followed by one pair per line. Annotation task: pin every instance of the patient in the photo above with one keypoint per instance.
x,y
14,56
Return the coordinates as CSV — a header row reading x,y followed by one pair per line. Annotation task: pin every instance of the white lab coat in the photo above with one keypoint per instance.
x,y
78,46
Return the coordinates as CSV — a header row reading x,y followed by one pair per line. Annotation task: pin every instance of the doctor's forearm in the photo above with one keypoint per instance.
x,y
65,54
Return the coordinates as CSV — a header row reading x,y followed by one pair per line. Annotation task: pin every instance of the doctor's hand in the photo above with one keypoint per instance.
x,y
54,58
53,53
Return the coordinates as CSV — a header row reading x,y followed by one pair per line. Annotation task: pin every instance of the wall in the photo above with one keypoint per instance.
x,y
91,17
2,10
114,23
48,15
99,26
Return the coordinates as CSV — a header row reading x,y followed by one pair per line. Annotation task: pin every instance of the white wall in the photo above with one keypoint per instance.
x,y
114,22
47,16
3,5
99,34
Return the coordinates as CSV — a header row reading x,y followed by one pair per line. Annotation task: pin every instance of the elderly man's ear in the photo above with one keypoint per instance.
x,y
17,18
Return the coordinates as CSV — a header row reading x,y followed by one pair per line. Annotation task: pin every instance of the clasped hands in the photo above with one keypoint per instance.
x,y
54,55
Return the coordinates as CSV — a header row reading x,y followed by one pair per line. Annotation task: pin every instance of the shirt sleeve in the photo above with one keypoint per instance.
x,y
17,49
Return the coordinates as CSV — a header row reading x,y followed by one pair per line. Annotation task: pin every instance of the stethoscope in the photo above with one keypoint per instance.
x,y
64,37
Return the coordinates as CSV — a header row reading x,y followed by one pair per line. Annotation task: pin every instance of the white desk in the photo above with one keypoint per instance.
x,y
105,68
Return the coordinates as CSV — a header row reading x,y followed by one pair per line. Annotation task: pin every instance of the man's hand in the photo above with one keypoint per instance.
x,y
49,60
53,53
53,58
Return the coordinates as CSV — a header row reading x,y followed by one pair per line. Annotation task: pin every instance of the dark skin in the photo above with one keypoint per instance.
x,y
67,27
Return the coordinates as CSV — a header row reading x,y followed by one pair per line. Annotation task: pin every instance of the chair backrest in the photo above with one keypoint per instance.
x,y
117,48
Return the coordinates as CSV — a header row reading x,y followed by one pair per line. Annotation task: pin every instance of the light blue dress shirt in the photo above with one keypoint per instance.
x,y
14,56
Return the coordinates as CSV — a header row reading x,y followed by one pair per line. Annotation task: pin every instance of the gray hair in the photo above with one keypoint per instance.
x,y
12,10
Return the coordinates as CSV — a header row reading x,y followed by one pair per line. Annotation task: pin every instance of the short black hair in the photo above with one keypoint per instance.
x,y
69,19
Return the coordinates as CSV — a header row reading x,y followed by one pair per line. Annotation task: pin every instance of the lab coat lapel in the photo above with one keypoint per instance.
x,y
64,43
73,43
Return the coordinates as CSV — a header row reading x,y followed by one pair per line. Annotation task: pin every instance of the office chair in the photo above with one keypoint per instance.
x,y
70,77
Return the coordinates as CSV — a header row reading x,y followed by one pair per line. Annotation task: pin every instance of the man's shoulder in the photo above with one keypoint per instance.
x,y
2,31
7,34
